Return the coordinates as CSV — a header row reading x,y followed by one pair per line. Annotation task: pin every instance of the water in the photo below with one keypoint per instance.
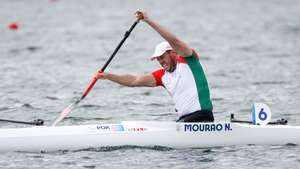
x,y
249,50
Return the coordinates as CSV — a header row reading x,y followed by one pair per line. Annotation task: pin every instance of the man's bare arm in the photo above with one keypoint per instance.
x,y
179,46
146,80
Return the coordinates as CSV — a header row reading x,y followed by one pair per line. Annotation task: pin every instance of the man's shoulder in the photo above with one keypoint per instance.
x,y
182,59
158,74
194,54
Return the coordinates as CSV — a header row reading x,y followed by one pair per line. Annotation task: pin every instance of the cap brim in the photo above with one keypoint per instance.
x,y
156,55
153,58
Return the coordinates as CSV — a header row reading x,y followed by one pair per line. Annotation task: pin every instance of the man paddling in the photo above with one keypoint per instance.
x,y
181,75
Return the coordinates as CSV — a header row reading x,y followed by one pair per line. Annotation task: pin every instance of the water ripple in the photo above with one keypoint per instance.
x,y
125,147
33,48
52,98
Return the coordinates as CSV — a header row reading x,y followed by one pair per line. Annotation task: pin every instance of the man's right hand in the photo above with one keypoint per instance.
x,y
141,15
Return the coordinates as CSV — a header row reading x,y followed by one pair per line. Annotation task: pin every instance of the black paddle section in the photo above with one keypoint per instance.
x,y
37,122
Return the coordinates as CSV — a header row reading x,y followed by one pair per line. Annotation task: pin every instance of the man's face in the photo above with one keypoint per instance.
x,y
168,60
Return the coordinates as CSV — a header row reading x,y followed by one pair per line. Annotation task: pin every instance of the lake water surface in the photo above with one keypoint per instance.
x,y
249,50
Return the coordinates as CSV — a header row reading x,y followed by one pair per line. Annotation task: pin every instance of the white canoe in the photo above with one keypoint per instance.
x,y
145,133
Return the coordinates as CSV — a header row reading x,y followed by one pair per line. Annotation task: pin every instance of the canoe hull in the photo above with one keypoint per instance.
x,y
144,133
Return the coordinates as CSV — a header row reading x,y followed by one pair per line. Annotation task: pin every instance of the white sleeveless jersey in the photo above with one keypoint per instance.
x,y
187,85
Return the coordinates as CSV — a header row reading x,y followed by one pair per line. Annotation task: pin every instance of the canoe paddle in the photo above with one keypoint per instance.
x,y
67,110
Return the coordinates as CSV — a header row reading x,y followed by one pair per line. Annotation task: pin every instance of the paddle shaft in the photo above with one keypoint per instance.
x,y
67,110
38,122
127,33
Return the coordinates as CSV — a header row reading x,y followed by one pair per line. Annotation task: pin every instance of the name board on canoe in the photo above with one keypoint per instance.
x,y
196,127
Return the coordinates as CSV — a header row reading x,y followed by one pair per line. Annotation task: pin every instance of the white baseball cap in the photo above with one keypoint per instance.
x,y
160,49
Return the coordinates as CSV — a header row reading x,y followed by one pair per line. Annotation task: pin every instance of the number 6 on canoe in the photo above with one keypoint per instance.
x,y
67,110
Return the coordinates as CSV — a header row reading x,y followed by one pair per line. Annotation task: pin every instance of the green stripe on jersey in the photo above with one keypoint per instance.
x,y
201,82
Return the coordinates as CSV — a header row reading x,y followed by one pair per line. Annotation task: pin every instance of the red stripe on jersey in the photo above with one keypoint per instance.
x,y
181,59
158,75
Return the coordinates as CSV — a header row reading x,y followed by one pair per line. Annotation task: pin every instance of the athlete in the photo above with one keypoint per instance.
x,y
181,75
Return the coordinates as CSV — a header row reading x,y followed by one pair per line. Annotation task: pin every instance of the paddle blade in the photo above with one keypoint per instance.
x,y
64,113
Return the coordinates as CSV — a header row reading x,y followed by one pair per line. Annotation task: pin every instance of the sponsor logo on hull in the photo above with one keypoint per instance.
x,y
117,127
135,129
